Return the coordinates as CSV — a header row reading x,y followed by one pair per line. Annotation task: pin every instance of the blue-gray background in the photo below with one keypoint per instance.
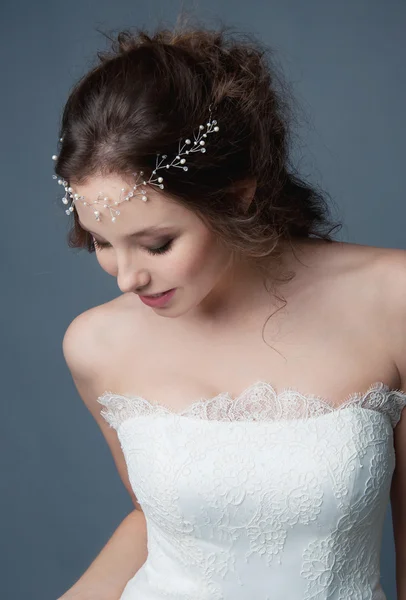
x,y
61,497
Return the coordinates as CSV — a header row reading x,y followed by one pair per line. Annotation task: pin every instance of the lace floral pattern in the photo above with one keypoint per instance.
x,y
258,402
268,496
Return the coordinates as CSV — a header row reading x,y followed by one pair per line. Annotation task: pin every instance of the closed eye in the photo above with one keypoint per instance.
x,y
160,250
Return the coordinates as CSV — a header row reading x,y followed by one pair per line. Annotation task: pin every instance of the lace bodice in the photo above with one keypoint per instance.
x,y
270,496
256,403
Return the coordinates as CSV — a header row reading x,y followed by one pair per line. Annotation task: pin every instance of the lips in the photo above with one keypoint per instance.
x,y
160,300
154,295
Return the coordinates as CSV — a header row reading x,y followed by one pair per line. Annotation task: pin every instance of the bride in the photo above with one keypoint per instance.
x,y
249,378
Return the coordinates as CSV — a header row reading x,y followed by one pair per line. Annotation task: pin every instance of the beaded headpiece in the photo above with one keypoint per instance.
x,y
198,145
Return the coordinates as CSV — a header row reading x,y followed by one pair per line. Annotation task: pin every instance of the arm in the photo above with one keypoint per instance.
x,y
398,504
87,359
393,284
120,559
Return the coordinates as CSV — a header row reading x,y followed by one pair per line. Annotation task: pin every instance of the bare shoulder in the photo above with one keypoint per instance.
x,y
83,333
87,351
384,271
392,263
367,285
391,276
88,338
371,265
359,256
380,274
383,287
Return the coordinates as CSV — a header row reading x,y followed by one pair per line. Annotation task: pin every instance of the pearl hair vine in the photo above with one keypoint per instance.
x,y
179,161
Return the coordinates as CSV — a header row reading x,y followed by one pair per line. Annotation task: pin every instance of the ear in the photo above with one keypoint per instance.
x,y
245,191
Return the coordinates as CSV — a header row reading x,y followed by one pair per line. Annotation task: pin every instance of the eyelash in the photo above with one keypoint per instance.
x,y
154,251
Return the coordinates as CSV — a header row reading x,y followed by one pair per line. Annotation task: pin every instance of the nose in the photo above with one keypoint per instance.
x,y
130,282
131,278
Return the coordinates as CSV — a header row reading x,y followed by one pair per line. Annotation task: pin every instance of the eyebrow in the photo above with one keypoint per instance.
x,y
137,234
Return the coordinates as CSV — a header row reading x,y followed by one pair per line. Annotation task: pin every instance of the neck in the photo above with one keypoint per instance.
x,y
241,291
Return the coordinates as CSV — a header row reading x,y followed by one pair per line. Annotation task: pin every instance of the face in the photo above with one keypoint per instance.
x,y
181,253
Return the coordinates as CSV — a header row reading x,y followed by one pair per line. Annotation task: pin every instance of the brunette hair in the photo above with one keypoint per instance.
x,y
149,90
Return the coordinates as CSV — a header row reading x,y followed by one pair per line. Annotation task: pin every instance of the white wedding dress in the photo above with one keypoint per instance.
x,y
263,497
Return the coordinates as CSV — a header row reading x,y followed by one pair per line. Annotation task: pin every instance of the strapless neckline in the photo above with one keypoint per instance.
x,y
259,399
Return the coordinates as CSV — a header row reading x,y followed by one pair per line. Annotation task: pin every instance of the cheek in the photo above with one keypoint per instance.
x,y
107,262
200,259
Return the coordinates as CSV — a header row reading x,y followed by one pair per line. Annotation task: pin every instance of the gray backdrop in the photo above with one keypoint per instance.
x,y
61,497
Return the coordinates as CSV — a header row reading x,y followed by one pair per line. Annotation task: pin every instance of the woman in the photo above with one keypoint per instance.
x,y
257,470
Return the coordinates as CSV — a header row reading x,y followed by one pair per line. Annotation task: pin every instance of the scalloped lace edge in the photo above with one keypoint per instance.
x,y
258,402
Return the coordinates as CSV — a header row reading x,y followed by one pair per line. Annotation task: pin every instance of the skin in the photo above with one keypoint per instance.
x,y
220,307
212,285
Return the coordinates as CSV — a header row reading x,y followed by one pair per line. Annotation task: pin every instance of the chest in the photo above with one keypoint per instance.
x,y
324,343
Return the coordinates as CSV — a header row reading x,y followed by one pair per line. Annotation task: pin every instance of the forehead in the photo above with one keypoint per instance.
x,y
157,210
